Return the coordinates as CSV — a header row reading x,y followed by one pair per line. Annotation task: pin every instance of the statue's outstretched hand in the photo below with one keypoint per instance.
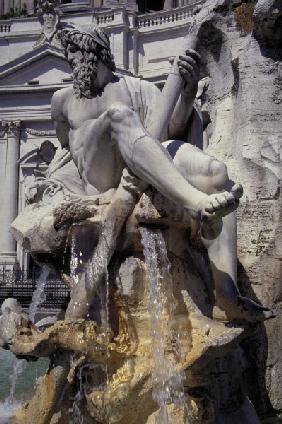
x,y
189,69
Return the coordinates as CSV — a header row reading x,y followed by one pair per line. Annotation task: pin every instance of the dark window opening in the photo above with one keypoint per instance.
x,y
150,5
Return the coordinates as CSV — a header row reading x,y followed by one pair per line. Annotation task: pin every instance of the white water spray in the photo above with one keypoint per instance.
x,y
38,296
76,413
10,405
167,381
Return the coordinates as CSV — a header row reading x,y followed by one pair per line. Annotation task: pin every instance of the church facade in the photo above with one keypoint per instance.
x,y
28,7
33,67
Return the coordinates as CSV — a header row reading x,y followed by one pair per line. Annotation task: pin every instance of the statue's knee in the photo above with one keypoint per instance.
x,y
218,174
118,112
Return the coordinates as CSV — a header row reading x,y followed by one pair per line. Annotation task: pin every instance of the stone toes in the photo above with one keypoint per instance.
x,y
229,198
237,191
223,201
220,201
216,203
210,208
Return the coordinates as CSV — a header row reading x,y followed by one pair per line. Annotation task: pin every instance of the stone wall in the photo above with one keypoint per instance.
x,y
244,101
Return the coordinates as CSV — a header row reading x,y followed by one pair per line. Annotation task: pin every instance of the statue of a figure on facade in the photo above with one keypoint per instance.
x,y
48,15
104,120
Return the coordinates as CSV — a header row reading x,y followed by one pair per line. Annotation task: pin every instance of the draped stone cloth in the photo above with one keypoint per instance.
x,y
145,97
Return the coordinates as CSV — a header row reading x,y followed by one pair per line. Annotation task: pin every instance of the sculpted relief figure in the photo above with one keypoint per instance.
x,y
48,16
104,122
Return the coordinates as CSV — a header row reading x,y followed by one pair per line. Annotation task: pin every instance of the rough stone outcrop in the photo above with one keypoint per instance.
x,y
244,102
124,393
268,22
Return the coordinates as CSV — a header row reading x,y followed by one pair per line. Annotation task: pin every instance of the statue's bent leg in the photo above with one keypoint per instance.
x,y
149,160
210,175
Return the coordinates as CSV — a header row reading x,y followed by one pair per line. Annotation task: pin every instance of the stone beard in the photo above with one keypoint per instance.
x,y
85,68
84,74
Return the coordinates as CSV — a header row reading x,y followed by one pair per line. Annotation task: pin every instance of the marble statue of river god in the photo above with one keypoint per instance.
x,y
122,214
107,123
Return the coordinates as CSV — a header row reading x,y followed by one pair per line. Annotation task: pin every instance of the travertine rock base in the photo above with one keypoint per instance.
x,y
244,103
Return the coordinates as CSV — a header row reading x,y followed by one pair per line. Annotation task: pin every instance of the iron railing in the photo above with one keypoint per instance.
x,y
20,284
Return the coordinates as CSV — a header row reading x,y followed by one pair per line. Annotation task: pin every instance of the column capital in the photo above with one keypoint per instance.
x,y
3,128
12,128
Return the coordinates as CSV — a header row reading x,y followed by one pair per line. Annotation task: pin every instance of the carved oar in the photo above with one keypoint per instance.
x,y
174,83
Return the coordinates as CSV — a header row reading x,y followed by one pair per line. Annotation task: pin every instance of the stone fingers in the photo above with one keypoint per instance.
x,y
192,53
187,67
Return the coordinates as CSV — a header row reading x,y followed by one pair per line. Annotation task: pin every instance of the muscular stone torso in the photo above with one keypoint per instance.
x,y
100,166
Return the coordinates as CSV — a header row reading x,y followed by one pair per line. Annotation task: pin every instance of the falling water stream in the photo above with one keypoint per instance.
x,y
10,405
97,270
38,296
168,383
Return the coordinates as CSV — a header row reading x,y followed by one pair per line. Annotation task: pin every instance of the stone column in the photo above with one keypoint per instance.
x,y
130,4
9,191
135,52
168,4
29,6
7,6
110,3
96,3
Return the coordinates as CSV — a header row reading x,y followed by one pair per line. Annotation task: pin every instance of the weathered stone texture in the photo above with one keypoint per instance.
x,y
244,101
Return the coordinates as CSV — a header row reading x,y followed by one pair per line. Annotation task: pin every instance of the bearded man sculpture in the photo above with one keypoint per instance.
x,y
104,121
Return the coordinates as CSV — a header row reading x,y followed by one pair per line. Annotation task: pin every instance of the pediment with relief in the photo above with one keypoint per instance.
x,y
42,66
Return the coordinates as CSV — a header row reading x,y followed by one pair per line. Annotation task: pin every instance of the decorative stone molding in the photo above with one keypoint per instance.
x,y
168,16
104,19
39,133
2,131
11,128
3,128
14,128
5,27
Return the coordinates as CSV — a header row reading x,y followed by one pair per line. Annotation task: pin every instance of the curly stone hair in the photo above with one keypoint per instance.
x,y
84,74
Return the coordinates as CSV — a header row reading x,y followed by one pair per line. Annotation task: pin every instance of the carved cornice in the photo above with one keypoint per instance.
x,y
11,128
39,133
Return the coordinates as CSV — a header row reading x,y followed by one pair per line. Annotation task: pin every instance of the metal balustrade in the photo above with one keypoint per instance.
x,y
21,284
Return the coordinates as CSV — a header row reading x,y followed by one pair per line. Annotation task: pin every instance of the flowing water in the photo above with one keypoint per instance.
x,y
15,367
96,271
76,412
38,296
17,381
10,404
168,383
90,378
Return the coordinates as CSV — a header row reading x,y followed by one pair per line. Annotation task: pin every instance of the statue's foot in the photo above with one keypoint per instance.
x,y
217,205
244,309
